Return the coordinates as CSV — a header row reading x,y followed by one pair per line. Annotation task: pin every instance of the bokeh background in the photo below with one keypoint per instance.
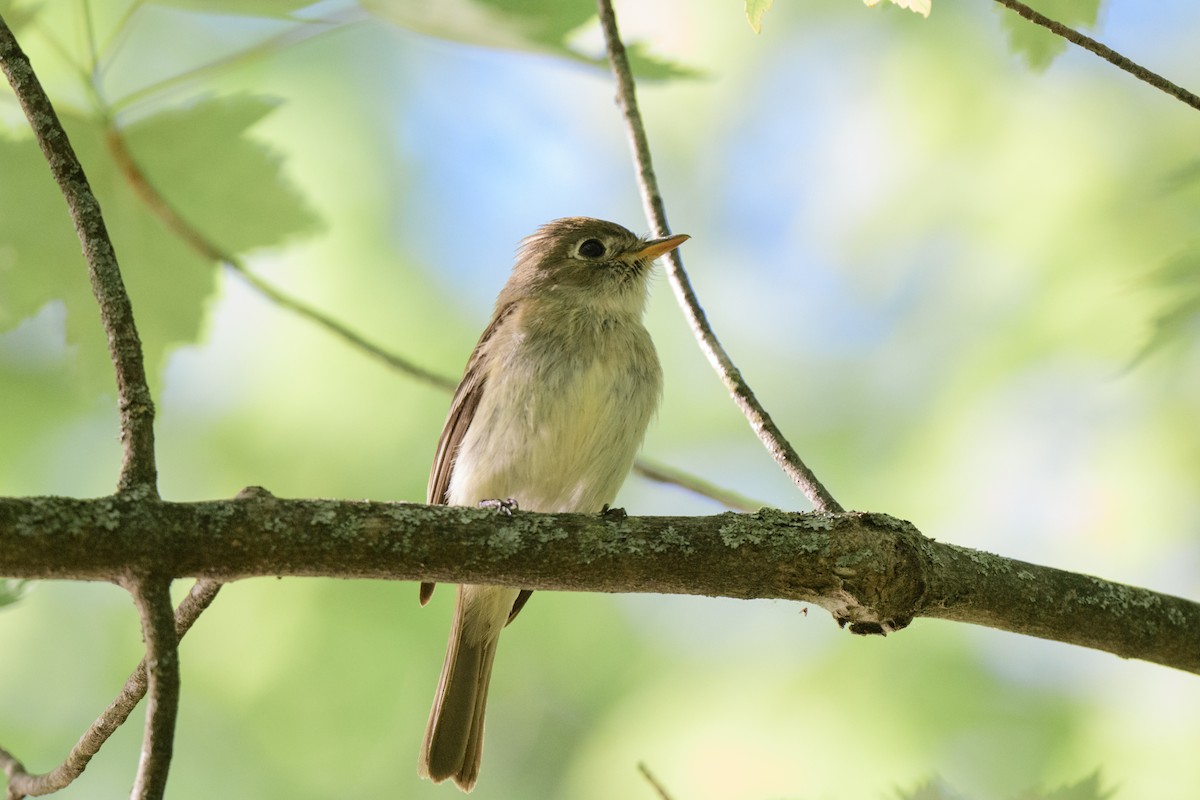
x,y
963,286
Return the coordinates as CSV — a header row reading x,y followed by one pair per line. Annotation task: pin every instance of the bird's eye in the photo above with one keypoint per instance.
x,y
591,248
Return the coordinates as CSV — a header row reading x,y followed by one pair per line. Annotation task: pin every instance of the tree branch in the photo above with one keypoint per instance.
x,y
22,784
1105,52
871,571
760,421
152,596
138,471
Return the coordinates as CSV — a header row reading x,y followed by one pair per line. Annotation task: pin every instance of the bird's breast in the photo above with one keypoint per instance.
x,y
560,419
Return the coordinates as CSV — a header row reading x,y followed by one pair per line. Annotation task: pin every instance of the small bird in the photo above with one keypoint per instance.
x,y
549,414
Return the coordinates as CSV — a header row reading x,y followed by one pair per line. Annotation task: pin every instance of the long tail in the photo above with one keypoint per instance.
x,y
454,738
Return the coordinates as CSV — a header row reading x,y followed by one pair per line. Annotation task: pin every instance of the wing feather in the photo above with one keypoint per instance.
x,y
458,420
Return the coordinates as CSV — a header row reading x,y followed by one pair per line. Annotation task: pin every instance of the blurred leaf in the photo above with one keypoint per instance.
x,y
933,789
39,254
191,155
17,14
1183,177
1181,319
921,7
1087,789
754,13
1037,45
546,21
228,186
12,590
282,9
533,26
493,23
650,67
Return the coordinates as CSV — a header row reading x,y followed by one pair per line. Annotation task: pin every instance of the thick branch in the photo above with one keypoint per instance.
x,y
23,784
152,596
760,421
870,571
138,471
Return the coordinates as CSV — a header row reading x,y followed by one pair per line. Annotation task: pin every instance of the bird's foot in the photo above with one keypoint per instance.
x,y
613,513
505,507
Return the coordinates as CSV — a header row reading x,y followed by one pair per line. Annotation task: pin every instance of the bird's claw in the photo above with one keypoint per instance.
x,y
613,513
505,507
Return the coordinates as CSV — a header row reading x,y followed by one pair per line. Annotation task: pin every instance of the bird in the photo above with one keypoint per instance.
x,y
550,412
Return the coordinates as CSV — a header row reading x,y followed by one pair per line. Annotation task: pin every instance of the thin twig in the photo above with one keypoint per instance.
x,y
1105,52
659,789
138,471
162,208
305,31
666,474
22,784
152,596
759,420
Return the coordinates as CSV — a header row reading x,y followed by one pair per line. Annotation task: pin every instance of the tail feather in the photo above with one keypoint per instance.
x,y
454,737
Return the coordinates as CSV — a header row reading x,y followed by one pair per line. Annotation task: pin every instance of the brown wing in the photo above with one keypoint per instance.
x,y
518,604
458,420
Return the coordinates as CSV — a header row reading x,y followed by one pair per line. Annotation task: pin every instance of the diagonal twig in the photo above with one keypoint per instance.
x,y
23,784
666,474
152,596
756,415
188,233
659,789
138,470
305,31
1104,51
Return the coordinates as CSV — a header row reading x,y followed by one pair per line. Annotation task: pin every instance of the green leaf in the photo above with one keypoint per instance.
x,y
1180,320
227,185
921,7
1183,177
17,14
650,67
547,22
1087,789
933,789
534,26
754,13
1038,46
282,9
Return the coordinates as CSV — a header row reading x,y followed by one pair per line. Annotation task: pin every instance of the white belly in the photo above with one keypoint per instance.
x,y
568,444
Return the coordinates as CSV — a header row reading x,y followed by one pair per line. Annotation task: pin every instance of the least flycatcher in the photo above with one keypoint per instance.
x,y
550,412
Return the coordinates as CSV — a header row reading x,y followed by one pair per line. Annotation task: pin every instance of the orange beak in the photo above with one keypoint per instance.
x,y
656,247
